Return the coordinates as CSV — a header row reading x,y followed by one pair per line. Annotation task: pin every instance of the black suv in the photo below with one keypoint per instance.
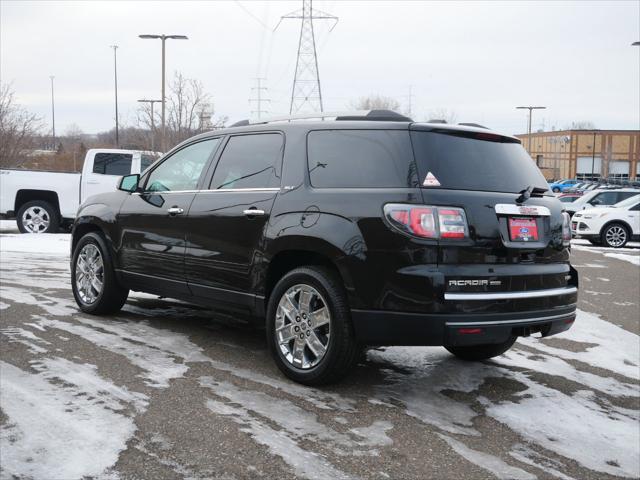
x,y
336,235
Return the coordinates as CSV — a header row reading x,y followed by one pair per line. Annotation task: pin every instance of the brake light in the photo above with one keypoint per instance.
x,y
427,221
566,229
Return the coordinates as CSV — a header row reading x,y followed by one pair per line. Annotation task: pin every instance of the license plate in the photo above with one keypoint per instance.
x,y
523,229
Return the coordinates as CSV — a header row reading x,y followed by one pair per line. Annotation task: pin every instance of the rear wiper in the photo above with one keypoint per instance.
x,y
528,192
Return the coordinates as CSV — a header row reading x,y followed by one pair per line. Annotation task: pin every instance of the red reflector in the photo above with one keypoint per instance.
x,y
571,320
469,331
452,234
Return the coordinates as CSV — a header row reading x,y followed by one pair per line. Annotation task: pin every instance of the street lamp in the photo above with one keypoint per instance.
x,y
163,38
53,114
153,123
115,79
529,124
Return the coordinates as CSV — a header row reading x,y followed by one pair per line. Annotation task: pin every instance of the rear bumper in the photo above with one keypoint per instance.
x,y
395,328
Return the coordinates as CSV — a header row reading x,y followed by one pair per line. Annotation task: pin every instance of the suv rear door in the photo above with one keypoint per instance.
x,y
483,173
227,220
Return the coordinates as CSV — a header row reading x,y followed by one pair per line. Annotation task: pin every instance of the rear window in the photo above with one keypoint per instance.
x,y
112,163
475,161
360,159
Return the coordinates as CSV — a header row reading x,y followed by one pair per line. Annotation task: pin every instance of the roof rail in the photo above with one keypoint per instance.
x,y
477,125
369,115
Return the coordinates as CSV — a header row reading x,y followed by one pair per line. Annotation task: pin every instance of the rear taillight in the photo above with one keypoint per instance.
x,y
428,222
566,228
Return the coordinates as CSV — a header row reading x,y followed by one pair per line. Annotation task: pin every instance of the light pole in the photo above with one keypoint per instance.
x,y
115,79
153,122
529,125
163,37
53,114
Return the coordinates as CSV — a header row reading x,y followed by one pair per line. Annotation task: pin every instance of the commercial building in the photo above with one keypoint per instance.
x,y
585,154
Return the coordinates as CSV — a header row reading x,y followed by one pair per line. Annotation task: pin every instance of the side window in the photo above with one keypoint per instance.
x,y
625,195
182,170
605,198
250,161
635,208
112,163
361,159
146,161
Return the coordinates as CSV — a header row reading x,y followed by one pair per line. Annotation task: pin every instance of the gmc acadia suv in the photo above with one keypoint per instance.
x,y
364,230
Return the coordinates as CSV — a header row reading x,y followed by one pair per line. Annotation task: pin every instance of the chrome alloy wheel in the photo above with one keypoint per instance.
x,y
616,236
303,326
35,219
89,273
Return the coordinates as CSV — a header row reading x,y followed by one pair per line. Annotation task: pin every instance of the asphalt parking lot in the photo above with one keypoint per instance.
x,y
165,390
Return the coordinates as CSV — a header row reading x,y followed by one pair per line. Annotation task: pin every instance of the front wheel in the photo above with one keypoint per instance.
x,y
615,236
309,330
93,278
482,352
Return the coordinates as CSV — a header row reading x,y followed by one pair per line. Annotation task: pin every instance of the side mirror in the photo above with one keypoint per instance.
x,y
129,183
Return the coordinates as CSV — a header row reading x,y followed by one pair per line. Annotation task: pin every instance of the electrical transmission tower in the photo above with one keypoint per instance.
x,y
259,99
306,94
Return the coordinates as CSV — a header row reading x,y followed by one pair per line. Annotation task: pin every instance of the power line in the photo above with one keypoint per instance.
x,y
259,98
306,94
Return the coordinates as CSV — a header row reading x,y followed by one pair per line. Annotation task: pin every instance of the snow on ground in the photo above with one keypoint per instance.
x,y
631,252
7,226
65,420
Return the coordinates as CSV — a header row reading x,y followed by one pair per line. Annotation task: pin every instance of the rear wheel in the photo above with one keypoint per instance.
x,y
38,216
309,328
93,279
556,190
482,352
615,235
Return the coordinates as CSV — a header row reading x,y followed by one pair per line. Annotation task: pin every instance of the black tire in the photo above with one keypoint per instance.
x,y
113,295
556,190
609,240
481,352
49,212
342,350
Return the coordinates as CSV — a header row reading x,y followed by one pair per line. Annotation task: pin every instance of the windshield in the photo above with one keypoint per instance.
x,y
475,161
629,202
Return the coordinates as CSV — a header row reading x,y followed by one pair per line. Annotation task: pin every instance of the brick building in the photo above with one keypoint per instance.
x,y
586,154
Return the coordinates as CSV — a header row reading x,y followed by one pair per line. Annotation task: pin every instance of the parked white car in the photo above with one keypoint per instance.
x,y
600,198
43,201
611,226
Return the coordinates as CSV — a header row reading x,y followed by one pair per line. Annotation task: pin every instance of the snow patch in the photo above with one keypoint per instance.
x,y
490,463
57,432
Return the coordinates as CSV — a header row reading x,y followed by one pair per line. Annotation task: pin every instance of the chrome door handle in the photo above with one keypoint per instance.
x,y
175,210
253,212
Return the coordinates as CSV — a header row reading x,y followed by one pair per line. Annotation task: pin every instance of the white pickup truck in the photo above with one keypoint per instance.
x,y
44,201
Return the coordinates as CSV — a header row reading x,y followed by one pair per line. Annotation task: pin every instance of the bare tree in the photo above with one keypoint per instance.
x,y
443,114
375,102
189,112
581,125
18,129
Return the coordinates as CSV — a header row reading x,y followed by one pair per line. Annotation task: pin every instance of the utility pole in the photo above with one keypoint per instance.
x,y
53,114
259,88
153,122
163,37
306,93
115,79
529,123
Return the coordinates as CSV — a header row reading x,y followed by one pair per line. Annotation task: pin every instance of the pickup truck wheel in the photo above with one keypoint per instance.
x,y
38,216
93,279
481,352
309,330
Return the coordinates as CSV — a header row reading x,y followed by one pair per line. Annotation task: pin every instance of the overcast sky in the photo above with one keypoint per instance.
x,y
479,60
